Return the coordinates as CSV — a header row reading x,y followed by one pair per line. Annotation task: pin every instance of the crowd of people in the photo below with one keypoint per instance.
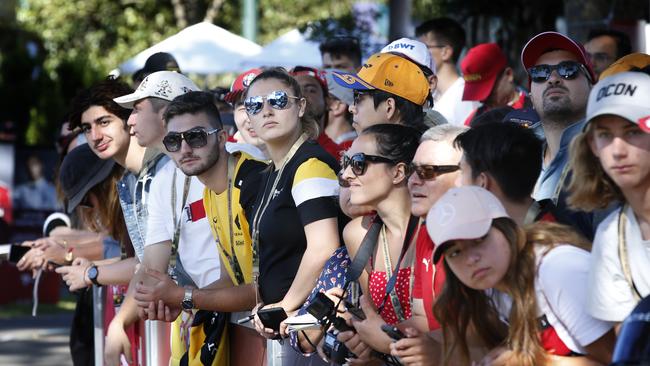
x,y
393,210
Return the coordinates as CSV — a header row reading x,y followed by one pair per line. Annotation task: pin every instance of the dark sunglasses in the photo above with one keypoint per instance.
x,y
277,100
358,95
428,172
196,137
566,69
359,162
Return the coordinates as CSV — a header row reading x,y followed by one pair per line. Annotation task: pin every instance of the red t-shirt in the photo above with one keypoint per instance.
x,y
334,149
428,279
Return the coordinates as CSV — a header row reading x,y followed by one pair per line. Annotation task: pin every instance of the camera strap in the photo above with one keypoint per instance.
x,y
365,251
413,227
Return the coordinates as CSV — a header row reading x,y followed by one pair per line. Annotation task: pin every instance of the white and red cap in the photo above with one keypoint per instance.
x,y
241,83
165,85
462,213
625,95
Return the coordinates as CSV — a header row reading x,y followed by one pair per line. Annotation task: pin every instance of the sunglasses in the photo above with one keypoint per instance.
x,y
277,100
429,172
196,137
358,95
359,162
567,70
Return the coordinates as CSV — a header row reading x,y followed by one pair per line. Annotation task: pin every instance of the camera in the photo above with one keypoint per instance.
x,y
324,310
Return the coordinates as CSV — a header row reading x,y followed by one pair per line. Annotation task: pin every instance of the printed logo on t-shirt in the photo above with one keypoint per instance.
x,y
195,211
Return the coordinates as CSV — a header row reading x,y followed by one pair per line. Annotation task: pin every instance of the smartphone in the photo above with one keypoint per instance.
x,y
17,252
272,317
392,332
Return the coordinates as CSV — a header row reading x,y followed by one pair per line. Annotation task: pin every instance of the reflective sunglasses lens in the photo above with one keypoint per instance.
x,y
540,74
358,164
172,142
196,138
278,99
568,70
254,105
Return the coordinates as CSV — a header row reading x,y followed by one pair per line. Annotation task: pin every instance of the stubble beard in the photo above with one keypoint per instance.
x,y
211,160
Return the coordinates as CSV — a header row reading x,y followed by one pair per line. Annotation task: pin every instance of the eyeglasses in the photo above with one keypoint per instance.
x,y
428,172
196,137
277,100
359,94
359,162
567,70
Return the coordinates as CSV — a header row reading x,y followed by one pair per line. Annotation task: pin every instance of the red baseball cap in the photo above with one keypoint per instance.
x,y
317,74
550,41
481,67
240,84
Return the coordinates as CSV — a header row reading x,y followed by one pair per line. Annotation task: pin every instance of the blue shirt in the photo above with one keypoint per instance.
x,y
550,181
133,192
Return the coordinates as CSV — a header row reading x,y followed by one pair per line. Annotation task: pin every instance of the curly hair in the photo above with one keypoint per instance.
x,y
100,94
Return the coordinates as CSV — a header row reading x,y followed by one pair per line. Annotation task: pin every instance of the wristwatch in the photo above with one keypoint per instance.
x,y
187,303
93,272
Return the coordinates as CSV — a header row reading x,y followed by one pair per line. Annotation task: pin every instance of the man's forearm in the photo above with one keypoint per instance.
x,y
226,299
118,273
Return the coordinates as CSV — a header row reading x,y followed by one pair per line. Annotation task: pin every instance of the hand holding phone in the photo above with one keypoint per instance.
x,y
272,317
393,332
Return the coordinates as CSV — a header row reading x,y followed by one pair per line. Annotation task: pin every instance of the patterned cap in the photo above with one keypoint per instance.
x,y
165,85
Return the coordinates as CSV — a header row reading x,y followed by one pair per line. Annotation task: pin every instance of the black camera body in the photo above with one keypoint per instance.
x,y
324,309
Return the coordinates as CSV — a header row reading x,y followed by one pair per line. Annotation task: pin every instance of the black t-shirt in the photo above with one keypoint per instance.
x,y
307,192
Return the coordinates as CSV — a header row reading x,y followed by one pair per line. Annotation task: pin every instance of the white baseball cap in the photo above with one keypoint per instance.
x,y
624,94
165,85
415,51
462,213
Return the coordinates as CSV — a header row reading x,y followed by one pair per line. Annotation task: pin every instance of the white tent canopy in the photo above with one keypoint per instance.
x,y
288,50
202,48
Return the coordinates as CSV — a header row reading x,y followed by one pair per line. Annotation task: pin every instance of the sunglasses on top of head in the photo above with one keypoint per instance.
x,y
429,172
278,99
196,137
567,70
359,162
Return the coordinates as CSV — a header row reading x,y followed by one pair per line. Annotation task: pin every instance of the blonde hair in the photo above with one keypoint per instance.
x,y
590,188
459,306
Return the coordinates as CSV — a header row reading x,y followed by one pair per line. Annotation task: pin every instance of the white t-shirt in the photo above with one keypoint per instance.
x,y
197,249
451,104
561,295
610,295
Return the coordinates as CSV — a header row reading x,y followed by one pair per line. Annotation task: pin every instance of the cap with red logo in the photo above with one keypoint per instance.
x,y
317,74
551,41
625,95
481,67
240,84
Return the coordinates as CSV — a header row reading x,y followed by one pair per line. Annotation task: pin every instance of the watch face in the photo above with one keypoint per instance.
x,y
92,273
188,305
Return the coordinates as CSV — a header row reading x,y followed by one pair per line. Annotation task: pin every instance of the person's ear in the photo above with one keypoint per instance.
x,y
390,109
433,83
509,74
400,173
302,107
483,180
446,53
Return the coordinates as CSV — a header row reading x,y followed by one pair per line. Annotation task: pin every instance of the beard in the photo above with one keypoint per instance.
x,y
208,162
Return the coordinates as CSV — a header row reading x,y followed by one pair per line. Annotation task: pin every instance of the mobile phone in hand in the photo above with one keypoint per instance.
x,y
393,332
272,317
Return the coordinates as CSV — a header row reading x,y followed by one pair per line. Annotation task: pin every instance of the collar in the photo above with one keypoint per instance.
x,y
570,132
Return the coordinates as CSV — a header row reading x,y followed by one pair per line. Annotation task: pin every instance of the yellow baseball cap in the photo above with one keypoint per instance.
x,y
626,63
390,73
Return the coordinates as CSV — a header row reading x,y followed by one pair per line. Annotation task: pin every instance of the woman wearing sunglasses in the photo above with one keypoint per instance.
x,y
537,280
376,170
295,220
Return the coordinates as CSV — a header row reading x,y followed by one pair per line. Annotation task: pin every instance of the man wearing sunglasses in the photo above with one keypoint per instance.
x,y
560,77
434,170
172,204
196,142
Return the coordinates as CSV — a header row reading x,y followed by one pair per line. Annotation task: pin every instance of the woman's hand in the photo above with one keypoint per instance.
x,y
76,275
418,349
370,329
267,333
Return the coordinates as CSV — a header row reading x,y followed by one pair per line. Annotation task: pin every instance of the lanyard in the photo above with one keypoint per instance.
x,y
532,213
177,222
414,224
560,183
232,256
266,200
622,253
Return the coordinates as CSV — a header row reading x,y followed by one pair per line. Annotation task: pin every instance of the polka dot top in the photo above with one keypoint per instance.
x,y
377,283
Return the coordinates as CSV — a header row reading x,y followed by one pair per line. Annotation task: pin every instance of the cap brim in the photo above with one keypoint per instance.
x,y
97,175
232,96
549,41
473,230
351,81
479,91
633,113
127,101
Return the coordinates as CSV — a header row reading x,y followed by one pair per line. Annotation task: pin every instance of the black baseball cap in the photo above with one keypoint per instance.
x,y
80,171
